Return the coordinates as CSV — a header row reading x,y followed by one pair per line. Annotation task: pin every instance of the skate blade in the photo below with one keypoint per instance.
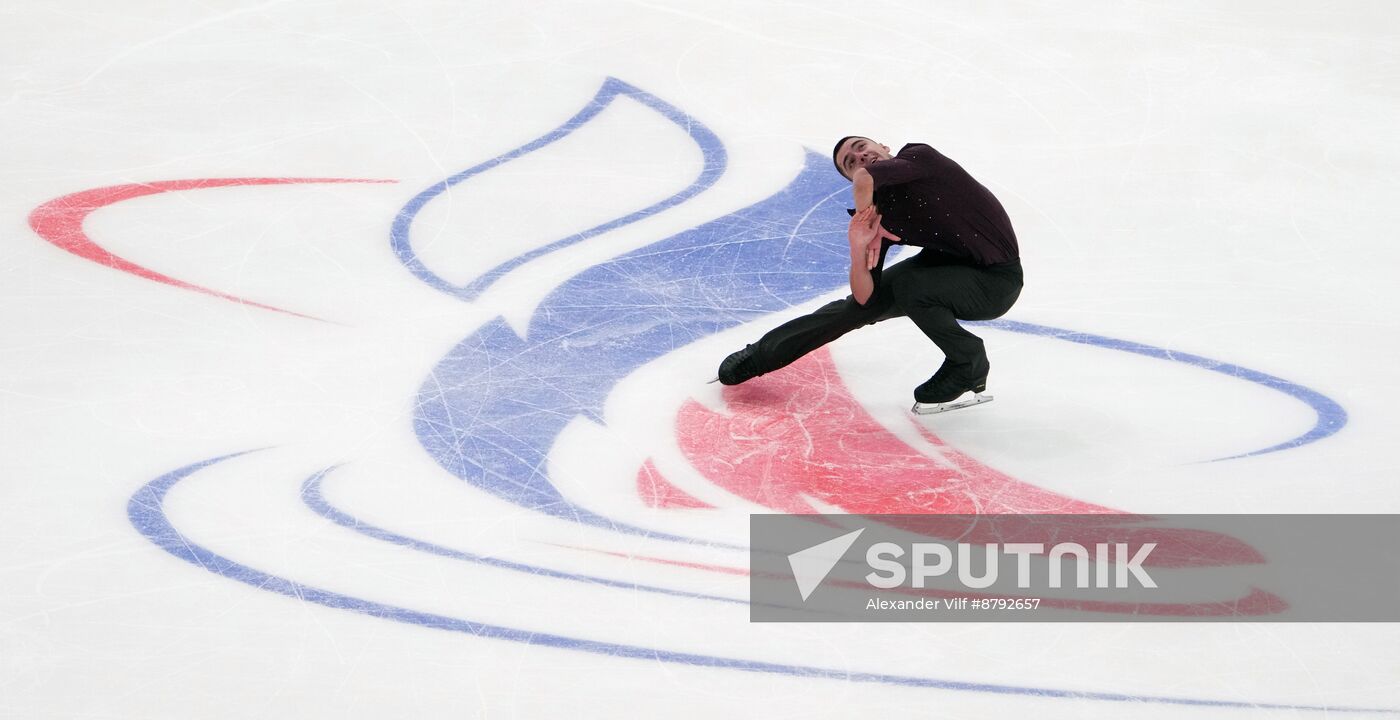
x,y
935,408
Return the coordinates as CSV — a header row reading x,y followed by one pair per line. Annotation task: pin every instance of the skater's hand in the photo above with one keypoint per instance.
x,y
864,229
866,236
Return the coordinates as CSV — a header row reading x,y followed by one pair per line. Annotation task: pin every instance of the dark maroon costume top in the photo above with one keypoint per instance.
x,y
931,202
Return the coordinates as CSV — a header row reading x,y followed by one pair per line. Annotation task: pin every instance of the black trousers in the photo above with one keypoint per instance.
x,y
935,296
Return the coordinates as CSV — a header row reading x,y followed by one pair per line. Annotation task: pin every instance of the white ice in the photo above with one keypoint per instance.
x,y
1215,178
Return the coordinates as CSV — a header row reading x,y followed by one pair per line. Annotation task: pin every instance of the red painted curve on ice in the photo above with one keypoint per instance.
x,y
60,222
799,436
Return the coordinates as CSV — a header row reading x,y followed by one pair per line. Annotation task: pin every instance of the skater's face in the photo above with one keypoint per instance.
x,y
859,152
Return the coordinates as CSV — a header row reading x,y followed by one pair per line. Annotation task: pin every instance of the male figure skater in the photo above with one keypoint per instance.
x,y
969,269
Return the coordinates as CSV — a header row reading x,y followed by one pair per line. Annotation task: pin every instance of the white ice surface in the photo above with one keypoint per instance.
x,y
1215,178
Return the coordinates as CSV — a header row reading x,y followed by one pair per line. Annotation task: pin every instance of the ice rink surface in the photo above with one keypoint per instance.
x,y
354,354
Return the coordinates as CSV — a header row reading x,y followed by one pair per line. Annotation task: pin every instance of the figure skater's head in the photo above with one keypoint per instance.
x,y
856,151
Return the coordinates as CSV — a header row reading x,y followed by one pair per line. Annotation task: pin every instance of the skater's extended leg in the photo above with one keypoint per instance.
x,y
784,344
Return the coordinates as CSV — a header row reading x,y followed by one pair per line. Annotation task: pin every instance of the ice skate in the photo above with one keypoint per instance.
x,y
948,390
739,366
957,404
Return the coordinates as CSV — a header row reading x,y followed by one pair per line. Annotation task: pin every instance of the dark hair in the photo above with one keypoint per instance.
x,y
837,149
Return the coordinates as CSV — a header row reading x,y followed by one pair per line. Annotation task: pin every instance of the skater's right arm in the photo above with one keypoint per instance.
x,y
863,188
862,283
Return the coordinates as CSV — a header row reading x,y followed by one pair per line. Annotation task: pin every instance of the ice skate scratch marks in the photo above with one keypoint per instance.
x,y
60,221
713,166
519,394
850,461
658,492
146,510
607,321
854,464
799,433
